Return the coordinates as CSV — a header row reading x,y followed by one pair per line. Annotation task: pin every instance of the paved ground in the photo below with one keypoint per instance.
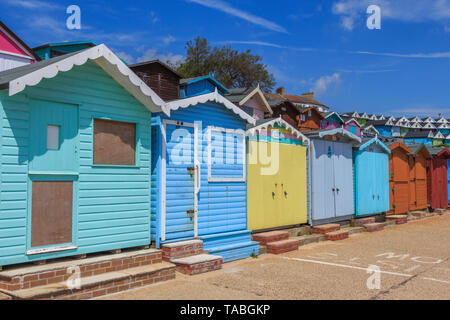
x,y
414,260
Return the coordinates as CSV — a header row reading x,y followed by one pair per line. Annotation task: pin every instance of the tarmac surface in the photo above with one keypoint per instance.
x,y
411,261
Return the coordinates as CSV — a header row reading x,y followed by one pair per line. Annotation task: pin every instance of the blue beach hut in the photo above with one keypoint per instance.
x,y
199,182
74,157
371,177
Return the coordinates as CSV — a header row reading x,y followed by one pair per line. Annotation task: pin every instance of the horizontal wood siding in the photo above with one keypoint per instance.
x,y
113,201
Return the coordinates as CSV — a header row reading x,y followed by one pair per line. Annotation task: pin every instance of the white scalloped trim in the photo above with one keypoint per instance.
x,y
213,96
339,131
100,51
281,123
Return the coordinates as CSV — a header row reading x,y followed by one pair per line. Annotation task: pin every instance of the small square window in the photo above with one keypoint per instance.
x,y
52,137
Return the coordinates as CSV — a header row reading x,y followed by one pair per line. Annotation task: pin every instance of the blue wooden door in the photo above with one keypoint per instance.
x,y
180,208
381,172
54,132
323,180
365,186
53,167
343,179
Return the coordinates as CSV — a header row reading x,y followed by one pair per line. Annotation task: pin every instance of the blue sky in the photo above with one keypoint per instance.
x,y
320,46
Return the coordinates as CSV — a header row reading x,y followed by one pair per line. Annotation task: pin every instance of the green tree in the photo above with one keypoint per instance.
x,y
232,68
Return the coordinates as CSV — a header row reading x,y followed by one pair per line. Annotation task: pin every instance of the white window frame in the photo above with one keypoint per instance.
x,y
244,155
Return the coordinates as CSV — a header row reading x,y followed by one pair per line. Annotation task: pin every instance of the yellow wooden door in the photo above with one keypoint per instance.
x,y
278,199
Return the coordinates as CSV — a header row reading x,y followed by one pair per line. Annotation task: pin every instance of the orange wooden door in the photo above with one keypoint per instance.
x,y
421,182
412,184
400,170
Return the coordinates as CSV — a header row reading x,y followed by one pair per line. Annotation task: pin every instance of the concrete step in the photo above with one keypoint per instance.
x,y
307,239
372,227
282,246
181,249
337,235
98,285
272,236
354,230
419,214
30,276
326,228
359,222
399,219
198,264
440,211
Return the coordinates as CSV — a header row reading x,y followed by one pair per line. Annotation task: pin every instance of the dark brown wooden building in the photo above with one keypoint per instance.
x,y
160,77
309,119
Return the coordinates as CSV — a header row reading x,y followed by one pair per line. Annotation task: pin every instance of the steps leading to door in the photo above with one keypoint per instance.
x,y
373,227
231,246
272,236
337,235
198,264
30,276
359,222
98,275
398,219
181,249
102,284
282,246
326,228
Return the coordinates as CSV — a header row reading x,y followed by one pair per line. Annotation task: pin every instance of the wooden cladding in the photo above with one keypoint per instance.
x,y
51,213
114,142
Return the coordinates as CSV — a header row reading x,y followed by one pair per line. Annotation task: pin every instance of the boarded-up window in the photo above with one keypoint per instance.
x,y
51,213
114,142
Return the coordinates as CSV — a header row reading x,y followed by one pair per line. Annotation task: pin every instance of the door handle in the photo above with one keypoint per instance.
x,y
333,189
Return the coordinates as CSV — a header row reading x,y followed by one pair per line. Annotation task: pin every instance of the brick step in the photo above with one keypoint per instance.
x,y
198,264
399,219
326,228
419,214
181,249
440,211
272,236
372,227
99,285
26,277
282,246
362,221
337,235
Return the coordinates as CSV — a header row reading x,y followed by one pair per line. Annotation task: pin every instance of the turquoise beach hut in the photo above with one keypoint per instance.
x,y
371,177
75,143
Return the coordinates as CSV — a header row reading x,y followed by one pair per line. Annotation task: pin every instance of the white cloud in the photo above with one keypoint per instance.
x,y
170,58
433,55
322,84
168,40
227,8
34,4
128,58
352,11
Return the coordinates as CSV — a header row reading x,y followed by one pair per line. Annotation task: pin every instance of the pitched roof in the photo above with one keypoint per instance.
x,y
266,123
303,110
332,132
67,43
437,151
151,62
305,98
366,142
210,97
241,95
207,77
17,79
19,41
416,147
419,134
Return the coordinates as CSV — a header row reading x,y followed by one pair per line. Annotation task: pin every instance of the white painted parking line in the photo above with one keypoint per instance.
x,y
349,267
364,269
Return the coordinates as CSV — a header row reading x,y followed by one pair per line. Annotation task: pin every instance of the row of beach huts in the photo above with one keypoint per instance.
x,y
99,156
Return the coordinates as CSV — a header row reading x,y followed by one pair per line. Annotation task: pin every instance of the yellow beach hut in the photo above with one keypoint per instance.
x,y
276,175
